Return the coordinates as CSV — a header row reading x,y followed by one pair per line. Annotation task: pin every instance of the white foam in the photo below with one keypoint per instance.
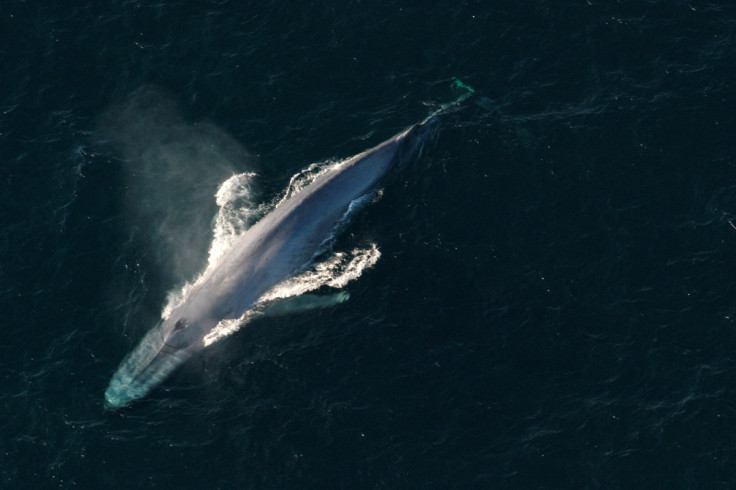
x,y
306,176
228,327
237,212
336,272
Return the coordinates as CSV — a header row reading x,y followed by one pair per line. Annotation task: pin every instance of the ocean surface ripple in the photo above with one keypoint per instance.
x,y
553,302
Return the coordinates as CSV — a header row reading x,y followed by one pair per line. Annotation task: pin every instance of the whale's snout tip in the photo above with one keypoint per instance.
x,y
115,398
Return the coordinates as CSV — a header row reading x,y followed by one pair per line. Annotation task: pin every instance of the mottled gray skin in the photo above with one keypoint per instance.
x,y
269,252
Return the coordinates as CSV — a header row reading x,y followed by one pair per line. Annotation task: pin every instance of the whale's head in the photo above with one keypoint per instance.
x,y
162,350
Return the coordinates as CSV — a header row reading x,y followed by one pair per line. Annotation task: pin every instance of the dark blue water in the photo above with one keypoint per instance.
x,y
554,304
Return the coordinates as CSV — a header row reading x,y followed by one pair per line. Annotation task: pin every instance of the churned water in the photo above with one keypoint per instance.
x,y
543,298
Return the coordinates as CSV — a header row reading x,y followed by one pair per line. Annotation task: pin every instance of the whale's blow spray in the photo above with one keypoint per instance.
x,y
171,168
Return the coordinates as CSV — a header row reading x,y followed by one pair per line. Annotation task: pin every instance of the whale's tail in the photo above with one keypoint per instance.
x,y
471,95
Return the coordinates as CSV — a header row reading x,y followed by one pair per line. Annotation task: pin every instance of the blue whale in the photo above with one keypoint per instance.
x,y
269,252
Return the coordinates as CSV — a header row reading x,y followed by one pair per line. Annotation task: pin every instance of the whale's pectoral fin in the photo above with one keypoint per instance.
x,y
298,304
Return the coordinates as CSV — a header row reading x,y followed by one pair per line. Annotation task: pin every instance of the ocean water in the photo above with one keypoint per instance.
x,y
553,304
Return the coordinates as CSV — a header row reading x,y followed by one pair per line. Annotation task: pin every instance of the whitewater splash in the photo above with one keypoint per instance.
x,y
335,272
